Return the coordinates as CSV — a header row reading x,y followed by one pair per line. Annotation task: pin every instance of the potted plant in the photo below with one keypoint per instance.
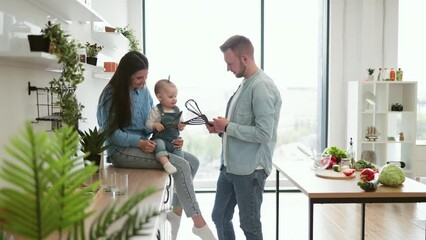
x,y
66,50
43,194
38,43
370,73
92,144
92,51
130,35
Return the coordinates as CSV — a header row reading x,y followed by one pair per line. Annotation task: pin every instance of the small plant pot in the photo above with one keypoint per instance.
x,y
109,29
95,159
92,60
38,43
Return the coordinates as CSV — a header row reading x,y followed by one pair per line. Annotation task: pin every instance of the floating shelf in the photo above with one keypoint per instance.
x,y
111,39
68,10
30,60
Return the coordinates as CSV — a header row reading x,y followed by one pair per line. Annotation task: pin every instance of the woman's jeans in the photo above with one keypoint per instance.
x,y
247,192
186,168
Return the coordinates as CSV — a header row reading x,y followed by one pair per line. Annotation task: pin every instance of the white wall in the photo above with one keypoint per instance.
x,y
363,34
16,105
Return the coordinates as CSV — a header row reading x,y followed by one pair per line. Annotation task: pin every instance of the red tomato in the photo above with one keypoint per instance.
x,y
348,172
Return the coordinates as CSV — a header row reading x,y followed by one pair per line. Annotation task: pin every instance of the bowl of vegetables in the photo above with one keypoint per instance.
x,y
321,160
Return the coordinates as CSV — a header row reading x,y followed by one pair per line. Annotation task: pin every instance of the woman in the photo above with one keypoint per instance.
x,y
123,108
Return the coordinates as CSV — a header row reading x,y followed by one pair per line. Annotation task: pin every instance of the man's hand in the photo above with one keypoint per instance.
x,y
220,123
210,127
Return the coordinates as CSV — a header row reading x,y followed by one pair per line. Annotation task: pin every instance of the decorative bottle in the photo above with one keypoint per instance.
x,y
392,74
379,75
385,75
399,75
350,153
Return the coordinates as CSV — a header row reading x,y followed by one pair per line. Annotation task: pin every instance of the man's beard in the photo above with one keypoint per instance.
x,y
242,72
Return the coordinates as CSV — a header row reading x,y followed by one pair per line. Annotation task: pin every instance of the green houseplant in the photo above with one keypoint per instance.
x,y
66,50
92,144
43,193
92,51
129,33
370,73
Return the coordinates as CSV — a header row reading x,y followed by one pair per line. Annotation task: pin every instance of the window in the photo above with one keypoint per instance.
x,y
411,53
183,38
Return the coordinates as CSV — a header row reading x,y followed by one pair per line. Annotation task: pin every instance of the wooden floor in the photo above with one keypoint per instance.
x,y
401,221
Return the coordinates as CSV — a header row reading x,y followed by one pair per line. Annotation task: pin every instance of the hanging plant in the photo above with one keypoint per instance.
x,y
130,35
66,50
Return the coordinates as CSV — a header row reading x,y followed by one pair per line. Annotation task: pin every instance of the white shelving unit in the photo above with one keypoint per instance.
x,y
370,105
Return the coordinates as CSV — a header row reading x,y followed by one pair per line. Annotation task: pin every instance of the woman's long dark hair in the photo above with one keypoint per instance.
x,y
120,112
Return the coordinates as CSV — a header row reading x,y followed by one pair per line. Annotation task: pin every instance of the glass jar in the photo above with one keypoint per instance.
x,y
345,163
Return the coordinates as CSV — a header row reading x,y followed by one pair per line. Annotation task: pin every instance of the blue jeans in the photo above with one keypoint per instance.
x,y
247,192
184,194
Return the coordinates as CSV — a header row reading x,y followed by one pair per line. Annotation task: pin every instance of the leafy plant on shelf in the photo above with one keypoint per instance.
x,y
129,33
66,50
42,194
92,50
370,71
336,155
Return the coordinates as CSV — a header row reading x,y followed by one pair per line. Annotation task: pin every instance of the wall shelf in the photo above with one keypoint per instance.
x,y
30,60
68,10
111,39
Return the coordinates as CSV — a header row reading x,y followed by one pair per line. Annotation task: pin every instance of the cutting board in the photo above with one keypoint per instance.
x,y
331,174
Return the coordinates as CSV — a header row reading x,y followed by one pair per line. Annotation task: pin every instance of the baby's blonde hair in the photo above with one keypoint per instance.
x,y
161,84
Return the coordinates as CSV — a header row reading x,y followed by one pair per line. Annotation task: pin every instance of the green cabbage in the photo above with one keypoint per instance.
x,y
391,175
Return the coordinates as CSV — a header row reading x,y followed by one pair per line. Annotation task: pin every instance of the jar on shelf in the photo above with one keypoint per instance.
x,y
399,74
392,74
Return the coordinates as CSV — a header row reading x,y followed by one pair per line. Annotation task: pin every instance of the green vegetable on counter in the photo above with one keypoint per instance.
x,y
362,164
336,152
391,175
369,186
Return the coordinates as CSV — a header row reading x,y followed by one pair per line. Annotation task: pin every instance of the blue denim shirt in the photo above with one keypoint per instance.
x,y
141,103
252,129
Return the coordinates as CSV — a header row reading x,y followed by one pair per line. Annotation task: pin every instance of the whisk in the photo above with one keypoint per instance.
x,y
200,118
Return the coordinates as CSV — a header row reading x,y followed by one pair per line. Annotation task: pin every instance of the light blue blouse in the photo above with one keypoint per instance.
x,y
141,104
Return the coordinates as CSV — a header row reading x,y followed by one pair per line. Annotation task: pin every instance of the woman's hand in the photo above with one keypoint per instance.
x,y
147,146
178,143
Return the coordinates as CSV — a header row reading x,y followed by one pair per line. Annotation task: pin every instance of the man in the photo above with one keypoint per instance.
x,y
249,134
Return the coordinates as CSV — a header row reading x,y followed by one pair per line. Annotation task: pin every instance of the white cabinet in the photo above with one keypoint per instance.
x,y
372,105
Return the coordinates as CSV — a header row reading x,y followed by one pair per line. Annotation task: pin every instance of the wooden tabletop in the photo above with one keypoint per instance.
x,y
301,174
138,181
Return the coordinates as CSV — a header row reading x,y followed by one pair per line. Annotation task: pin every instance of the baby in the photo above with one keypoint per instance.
x,y
165,121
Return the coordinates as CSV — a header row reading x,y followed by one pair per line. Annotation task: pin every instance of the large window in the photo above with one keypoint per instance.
x,y
183,39
412,52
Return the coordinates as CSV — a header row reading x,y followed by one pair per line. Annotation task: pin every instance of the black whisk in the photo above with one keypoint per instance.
x,y
200,118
